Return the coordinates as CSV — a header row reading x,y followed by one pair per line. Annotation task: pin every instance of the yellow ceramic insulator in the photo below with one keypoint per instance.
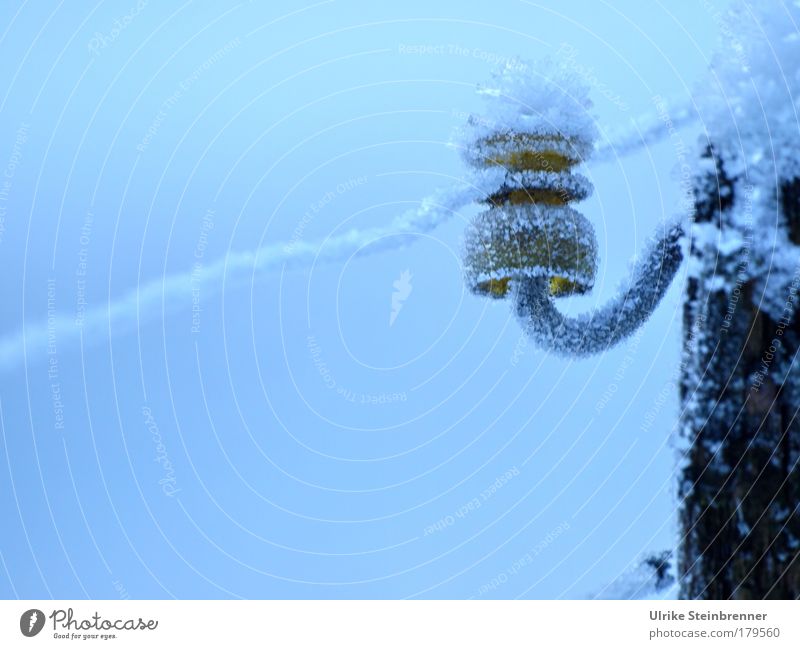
x,y
529,229
527,151
522,241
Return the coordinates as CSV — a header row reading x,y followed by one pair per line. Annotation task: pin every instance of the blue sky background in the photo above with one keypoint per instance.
x,y
287,484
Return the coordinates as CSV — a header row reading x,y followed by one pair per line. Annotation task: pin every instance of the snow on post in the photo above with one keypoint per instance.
x,y
740,387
